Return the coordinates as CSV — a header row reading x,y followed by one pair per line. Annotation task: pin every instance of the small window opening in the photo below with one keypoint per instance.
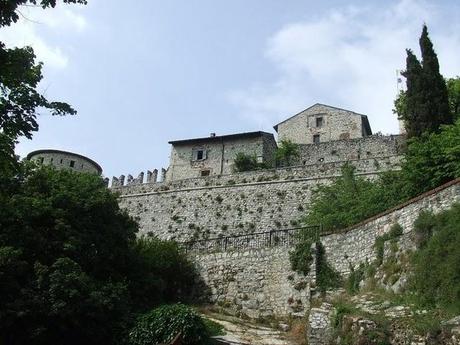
x,y
51,160
205,173
199,155
319,122
72,164
316,139
41,159
61,161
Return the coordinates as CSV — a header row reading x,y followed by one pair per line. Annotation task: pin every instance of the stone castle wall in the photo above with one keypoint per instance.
x,y
255,283
366,148
234,204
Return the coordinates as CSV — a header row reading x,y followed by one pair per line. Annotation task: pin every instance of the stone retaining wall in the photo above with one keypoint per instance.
x,y
355,245
255,283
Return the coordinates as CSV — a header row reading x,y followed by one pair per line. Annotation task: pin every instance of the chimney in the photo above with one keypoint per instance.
x,y
212,135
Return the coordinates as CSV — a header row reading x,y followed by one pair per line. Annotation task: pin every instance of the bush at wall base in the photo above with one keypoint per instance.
x,y
162,324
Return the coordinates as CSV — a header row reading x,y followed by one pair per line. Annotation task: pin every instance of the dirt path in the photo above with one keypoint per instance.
x,y
240,332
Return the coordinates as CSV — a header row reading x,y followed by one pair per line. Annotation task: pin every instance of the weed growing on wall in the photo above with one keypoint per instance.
x,y
395,231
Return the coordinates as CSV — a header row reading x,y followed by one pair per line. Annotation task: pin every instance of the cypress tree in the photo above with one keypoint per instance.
x,y
412,114
426,95
437,99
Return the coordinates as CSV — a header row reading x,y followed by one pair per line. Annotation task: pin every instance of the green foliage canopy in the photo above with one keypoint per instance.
x,y
163,273
162,324
351,199
453,90
286,152
245,162
432,159
70,265
9,12
20,75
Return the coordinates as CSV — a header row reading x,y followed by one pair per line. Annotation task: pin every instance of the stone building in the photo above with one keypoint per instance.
x,y
65,160
215,155
323,123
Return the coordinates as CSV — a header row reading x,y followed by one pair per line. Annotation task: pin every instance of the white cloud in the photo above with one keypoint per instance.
x,y
347,58
37,26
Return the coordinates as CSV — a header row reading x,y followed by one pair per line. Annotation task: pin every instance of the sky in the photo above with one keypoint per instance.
x,y
144,72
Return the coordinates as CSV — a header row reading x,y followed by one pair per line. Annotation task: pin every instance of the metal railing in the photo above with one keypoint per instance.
x,y
272,238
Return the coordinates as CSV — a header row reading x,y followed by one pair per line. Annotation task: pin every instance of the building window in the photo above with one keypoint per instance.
x,y
199,155
41,159
205,173
61,160
319,122
316,139
72,164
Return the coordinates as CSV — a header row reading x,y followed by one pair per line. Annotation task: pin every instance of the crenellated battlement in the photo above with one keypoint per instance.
x,y
151,177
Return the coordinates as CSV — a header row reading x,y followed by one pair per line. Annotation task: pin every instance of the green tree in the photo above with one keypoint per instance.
x,y
286,152
453,89
20,75
351,199
432,159
427,104
9,12
66,243
163,273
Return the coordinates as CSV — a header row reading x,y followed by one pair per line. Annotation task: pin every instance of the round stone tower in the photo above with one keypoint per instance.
x,y
65,160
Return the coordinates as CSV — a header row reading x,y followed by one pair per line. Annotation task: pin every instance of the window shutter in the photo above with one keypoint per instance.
x,y
205,154
194,155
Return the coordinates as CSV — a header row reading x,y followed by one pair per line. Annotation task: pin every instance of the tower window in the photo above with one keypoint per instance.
x,y
319,122
316,139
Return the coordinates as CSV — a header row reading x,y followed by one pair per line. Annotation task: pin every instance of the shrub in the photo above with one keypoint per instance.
x,y
432,159
161,273
396,230
355,278
162,324
351,199
436,274
423,227
301,257
245,162
326,276
286,153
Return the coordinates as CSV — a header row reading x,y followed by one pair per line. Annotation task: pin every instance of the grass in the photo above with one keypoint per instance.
x,y
214,328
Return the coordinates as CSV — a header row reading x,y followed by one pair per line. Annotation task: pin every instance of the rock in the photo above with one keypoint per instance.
x,y
283,326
